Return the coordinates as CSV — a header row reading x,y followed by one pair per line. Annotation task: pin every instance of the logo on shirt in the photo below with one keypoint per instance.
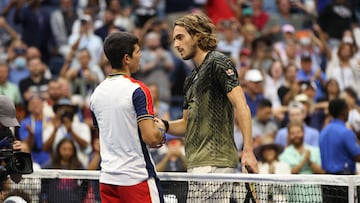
x,y
230,72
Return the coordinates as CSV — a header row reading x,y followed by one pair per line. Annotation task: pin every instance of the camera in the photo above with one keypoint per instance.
x,y
66,114
15,161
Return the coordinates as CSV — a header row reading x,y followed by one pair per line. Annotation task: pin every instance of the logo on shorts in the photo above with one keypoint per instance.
x,y
230,72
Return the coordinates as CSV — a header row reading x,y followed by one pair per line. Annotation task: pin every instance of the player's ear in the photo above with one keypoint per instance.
x,y
196,37
126,59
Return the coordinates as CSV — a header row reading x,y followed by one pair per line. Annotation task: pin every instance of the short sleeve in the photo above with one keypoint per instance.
x,y
351,143
225,74
94,120
143,103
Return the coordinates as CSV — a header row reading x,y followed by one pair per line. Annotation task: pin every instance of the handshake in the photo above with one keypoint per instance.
x,y
163,126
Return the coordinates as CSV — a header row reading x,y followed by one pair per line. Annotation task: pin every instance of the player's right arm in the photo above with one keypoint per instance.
x,y
150,132
178,127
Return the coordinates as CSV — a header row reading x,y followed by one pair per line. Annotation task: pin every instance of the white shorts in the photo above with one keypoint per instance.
x,y
209,191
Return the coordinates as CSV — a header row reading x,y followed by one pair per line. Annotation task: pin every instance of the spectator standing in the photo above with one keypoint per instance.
x,y
306,73
86,39
109,23
7,34
85,78
353,120
260,16
291,86
335,19
16,59
230,40
339,150
62,20
124,17
273,26
274,79
345,72
145,10
33,19
156,65
253,89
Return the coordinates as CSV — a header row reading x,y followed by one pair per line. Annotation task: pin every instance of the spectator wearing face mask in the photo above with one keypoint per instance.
x,y
16,60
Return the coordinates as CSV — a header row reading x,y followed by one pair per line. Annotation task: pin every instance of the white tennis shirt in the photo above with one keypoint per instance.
x,y
117,105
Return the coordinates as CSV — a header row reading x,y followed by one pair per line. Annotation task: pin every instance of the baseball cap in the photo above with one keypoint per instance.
x,y
245,51
305,41
64,102
348,40
288,28
302,98
85,18
247,11
253,75
306,56
7,112
305,84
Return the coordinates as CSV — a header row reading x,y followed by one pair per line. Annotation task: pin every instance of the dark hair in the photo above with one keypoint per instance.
x,y
117,45
351,92
74,162
199,24
263,103
337,106
341,47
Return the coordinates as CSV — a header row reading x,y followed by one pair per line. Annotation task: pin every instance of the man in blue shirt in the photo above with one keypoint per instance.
x,y
254,89
296,112
338,149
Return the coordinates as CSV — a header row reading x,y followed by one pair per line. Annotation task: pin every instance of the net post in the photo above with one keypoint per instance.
x,y
352,188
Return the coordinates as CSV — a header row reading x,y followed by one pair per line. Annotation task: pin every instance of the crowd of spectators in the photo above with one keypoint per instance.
x,y
292,56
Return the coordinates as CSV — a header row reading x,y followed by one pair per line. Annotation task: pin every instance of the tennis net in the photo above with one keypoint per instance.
x,y
82,186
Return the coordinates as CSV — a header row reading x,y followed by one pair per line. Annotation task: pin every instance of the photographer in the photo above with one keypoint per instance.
x,y
8,120
63,125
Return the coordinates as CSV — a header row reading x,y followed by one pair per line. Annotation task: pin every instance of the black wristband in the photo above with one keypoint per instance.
x,y
166,123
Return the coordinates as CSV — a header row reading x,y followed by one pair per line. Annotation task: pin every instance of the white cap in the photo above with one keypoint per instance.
x,y
288,28
14,199
305,41
348,39
253,75
301,98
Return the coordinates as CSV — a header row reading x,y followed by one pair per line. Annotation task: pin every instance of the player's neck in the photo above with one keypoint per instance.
x,y
199,57
120,72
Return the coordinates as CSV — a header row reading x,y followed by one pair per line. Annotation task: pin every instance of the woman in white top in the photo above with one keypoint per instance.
x,y
345,72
